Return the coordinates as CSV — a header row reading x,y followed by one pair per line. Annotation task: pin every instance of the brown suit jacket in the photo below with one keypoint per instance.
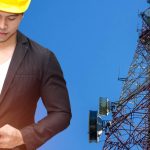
x,y
34,73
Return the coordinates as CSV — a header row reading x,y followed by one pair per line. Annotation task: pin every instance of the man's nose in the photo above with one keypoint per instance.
x,y
3,24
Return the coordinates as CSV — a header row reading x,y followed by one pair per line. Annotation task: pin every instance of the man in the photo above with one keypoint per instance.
x,y
28,72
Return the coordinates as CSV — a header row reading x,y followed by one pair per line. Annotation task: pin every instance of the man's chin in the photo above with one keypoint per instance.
x,y
3,40
6,38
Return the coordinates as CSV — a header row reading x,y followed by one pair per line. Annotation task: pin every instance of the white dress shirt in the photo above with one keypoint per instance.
x,y
3,71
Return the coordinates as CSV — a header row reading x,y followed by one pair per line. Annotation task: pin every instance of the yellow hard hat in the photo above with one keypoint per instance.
x,y
14,6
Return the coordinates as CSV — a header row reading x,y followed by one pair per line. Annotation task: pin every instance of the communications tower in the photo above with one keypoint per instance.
x,y
129,128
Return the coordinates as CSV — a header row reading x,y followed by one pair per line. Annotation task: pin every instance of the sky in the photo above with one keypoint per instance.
x,y
94,41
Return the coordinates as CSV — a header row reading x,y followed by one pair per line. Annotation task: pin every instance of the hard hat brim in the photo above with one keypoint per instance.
x,y
14,9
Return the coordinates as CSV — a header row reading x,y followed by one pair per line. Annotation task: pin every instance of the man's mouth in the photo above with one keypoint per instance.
x,y
3,33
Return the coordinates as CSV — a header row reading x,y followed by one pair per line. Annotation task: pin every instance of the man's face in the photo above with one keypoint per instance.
x,y
9,23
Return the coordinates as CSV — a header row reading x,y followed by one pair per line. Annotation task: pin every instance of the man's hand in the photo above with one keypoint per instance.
x,y
10,137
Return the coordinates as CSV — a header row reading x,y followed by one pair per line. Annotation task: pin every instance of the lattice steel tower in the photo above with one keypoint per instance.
x,y
130,125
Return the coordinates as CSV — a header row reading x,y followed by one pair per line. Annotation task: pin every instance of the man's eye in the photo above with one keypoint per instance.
x,y
12,18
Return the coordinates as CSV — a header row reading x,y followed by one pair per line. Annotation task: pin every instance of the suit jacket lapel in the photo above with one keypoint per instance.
x,y
19,53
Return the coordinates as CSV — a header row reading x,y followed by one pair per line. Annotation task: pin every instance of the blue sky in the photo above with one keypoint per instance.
x,y
94,41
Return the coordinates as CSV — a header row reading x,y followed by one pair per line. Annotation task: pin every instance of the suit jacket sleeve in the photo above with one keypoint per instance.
x,y
56,101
